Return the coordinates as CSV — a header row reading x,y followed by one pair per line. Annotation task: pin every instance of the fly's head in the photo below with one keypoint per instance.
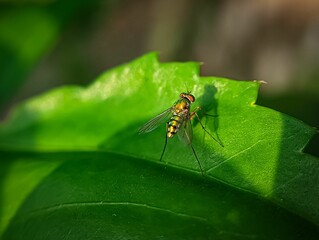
x,y
188,96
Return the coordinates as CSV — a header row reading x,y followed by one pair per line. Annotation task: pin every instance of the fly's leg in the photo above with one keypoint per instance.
x,y
192,114
165,143
197,159
200,122
188,137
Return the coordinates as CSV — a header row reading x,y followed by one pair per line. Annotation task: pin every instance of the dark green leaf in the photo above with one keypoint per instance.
x,y
261,160
109,196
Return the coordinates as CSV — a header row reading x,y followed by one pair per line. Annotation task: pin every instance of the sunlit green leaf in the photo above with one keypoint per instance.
x,y
104,179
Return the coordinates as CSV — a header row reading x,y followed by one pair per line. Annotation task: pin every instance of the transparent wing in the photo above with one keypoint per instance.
x,y
185,133
156,121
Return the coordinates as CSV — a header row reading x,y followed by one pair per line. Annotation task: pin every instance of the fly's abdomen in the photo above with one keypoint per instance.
x,y
173,125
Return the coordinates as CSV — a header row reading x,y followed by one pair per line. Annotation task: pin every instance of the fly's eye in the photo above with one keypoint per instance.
x,y
191,97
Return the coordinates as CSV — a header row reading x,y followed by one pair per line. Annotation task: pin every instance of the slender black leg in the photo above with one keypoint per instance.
x,y
165,143
200,166
200,122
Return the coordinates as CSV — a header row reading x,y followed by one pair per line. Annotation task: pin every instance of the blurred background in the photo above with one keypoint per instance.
x,y
49,43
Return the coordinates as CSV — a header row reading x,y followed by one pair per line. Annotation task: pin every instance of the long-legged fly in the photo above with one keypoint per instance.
x,y
178,122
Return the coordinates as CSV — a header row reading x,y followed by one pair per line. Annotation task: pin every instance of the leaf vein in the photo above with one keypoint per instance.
x,y
283,184
79,204
235,155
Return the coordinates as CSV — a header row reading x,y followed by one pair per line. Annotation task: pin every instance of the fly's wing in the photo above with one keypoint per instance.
x,y
155,122
185,133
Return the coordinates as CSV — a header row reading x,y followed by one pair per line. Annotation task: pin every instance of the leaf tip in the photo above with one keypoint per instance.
x,y
260,82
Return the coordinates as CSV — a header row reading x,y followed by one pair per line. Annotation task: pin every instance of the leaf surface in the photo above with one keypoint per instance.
x,y
101,174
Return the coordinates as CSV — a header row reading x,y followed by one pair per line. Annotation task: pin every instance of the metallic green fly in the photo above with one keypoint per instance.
x,y
178,121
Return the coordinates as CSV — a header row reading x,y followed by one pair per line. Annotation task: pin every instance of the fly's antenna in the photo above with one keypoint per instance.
x,y
187,89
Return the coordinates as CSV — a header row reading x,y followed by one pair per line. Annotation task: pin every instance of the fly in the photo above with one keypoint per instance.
x,y
178,122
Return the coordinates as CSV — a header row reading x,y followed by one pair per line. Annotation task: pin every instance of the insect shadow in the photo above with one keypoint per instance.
x,y
209,110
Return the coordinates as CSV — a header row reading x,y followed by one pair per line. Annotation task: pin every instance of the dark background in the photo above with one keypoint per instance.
x,y
49,43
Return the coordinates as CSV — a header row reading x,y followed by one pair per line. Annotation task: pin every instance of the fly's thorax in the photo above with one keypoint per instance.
x,y
182,105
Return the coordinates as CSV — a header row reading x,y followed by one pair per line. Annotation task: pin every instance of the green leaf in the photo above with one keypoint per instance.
x,y
95,176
